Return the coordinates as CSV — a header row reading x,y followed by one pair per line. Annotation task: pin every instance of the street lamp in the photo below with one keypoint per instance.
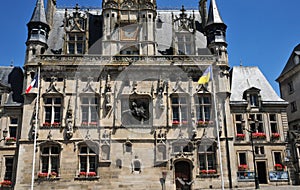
x,y
253,156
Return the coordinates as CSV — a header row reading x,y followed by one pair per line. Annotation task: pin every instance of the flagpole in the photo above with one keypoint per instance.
x,y
35,127
217,126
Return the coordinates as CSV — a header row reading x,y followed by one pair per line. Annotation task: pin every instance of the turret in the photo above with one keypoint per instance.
x,y
38,30
215,31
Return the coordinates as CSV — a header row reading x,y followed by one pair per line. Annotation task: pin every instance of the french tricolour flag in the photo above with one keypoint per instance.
x,y
33,84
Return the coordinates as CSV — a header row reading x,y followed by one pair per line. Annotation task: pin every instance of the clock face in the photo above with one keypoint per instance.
x,y
129,32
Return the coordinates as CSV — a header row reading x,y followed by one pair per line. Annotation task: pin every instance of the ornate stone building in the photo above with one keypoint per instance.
x,y
118,103
289,90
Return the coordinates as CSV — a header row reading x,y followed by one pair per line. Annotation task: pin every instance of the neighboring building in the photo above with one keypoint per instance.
x,y
11,102
258,111
119,105
289,81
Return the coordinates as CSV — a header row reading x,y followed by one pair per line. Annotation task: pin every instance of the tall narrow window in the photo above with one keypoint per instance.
x,y
179,109
8,168
203,107
273,123
89,110
53,111
88,160
290,86
242,158
13,127
293,106
253,100
50,159
207,157
238,123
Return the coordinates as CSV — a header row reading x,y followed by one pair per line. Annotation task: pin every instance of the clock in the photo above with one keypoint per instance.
x,y
129,32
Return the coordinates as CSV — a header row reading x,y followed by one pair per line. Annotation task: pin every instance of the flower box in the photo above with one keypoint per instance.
x,y
46,124
84,123
10,139
275,136
278,167
175,122
184,122
42,175
93,123
91,174
259,135
208,171
53,175
56,124
6,183
242,167
240,136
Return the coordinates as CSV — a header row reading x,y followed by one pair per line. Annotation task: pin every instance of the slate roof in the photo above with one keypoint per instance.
x,y
163,35
4,72
213,14
244,78
291,62
39,14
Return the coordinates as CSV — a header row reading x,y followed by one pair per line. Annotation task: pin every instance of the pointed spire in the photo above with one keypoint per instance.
x,y
213,14
39,14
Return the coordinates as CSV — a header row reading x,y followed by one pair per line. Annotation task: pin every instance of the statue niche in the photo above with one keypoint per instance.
x,y
135,111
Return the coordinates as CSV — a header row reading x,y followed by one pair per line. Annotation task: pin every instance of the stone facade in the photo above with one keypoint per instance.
x,y
131,97
289,82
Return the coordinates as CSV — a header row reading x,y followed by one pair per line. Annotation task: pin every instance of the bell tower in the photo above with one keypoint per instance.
x,y
38,30
128,27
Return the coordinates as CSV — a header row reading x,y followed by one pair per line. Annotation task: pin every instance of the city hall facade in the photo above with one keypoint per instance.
x,y
116,103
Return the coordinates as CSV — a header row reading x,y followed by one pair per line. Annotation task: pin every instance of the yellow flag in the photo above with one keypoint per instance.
x,y
205,78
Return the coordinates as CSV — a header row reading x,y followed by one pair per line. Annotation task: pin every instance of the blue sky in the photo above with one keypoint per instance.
x,y
260,32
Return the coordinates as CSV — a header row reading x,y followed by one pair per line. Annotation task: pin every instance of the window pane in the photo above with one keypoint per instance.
x,y
54,150
8,168
48,101
79,48
92,163
85,101
57,101
202,162
13,131
45,150
45,164
85,114
174,100
83,150
210,161
71,48
48,111
83,164
54,164
56,114
242,157
14,121
175,113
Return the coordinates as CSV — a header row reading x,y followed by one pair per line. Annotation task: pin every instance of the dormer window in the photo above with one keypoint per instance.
x,y
75,43
185,44
253,97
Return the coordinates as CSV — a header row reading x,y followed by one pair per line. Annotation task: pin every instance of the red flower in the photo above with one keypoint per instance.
x,y
42,174
208,171
240,135
91,174
175,122
46,124
10,139
82,173
6,182
243,167
56,124
275,135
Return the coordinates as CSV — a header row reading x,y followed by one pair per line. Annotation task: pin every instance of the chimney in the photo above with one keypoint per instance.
x,y
203,11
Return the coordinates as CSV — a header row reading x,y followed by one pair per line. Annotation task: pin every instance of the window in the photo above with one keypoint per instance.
x,y
179,109
53,110
185,44
273,123
256,123
87,159
50,159
259,150
238,124
277,158
242,158
290,86
254,100
137,166
13,127
89,111
203,107
207,157
8,168
76,43
128,147
293,107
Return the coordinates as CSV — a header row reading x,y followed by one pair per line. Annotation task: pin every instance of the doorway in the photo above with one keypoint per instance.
x,y
262,172
183,175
